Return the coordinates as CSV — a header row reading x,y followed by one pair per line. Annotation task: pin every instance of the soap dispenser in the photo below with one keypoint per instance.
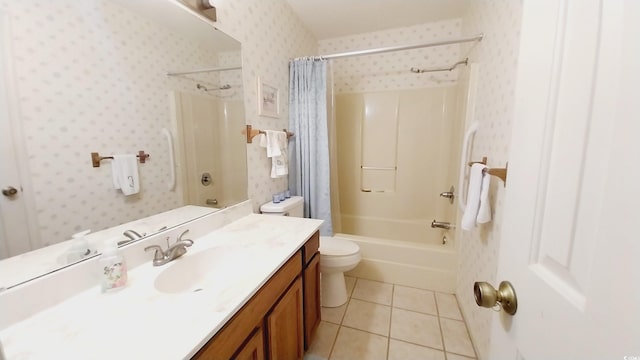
x,y
79,247
113,268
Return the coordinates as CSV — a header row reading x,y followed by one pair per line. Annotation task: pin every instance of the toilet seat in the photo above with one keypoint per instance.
x,y
330,246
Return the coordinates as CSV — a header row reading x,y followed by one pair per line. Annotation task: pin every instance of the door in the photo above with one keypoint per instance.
x,y
285,337
569,240
14,222
253,349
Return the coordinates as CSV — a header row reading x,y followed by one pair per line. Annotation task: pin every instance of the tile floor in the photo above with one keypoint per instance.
x,y
393,322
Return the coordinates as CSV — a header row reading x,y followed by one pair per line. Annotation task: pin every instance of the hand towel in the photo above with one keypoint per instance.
x,y
276,143
124,172
473,197
484,213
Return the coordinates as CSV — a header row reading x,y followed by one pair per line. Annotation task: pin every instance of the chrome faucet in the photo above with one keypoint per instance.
x,y
442,225
131,235
179,248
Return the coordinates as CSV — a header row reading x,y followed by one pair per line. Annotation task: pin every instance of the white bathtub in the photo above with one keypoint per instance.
x,y
431,267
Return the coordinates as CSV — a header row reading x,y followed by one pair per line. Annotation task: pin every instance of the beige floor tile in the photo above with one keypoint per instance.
x,y
448,306
323,340
451,356
417,328
399,350
414,299
350,282
368,316
333,315
373,291
456,338
354,344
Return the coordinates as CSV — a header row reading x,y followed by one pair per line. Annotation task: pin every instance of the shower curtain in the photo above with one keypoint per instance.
x,y
309,169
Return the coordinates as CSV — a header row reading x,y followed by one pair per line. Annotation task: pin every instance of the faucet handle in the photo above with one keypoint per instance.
x,y
159,254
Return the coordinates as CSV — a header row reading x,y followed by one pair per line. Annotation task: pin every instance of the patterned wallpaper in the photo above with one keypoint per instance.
x,y
497,55
270,34
390,71
90,76
88,71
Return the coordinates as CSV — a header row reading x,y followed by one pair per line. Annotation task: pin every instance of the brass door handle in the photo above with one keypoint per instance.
x,y
487,296
9,191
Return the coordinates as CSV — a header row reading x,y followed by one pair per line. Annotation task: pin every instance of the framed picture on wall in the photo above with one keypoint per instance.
x,y
268,99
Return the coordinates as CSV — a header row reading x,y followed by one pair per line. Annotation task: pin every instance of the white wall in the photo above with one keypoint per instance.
x,y
497,55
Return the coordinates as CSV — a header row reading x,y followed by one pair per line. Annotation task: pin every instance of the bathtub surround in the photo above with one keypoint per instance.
x,y
309,150
415,174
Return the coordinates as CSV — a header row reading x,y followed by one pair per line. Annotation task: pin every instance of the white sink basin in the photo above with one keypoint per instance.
x,y
208,269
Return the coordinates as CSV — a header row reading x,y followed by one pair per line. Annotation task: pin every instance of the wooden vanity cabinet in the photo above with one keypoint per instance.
x,y
273,323
285,336
254,348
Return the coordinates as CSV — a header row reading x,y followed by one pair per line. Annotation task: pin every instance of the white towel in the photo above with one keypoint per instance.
x,y
484,213
473,197
276,144
124,172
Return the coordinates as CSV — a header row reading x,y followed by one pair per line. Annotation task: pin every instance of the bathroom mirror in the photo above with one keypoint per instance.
x,y
92,76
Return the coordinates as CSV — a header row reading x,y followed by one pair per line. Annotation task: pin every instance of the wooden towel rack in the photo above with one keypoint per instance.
x,y
251,133
498,172
96,158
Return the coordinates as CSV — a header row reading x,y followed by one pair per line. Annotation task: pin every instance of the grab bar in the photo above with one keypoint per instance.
x,y
463,163
172,166
379,168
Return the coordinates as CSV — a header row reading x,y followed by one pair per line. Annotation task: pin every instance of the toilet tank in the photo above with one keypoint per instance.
x,y
292,206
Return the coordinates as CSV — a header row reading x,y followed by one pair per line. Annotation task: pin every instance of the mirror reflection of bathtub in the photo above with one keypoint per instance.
x,y
93,78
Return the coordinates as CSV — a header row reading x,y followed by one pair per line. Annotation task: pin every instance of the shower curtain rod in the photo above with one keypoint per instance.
x,y
403,47
179,73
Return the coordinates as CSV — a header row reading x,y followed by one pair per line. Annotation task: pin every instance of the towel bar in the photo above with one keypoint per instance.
x,y
251,133
500,173
96,158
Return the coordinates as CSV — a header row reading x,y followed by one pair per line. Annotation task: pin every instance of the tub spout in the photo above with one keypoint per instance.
x,y
441,225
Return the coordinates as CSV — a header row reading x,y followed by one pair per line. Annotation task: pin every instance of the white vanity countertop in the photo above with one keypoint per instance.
x,y
139,322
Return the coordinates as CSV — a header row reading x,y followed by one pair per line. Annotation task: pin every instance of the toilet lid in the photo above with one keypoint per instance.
x,y
337,247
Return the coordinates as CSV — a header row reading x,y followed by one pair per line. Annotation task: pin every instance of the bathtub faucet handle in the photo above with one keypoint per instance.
x,y
449,194
441,225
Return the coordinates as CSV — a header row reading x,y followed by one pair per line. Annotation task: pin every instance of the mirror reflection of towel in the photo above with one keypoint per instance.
x,y
276,144
124,171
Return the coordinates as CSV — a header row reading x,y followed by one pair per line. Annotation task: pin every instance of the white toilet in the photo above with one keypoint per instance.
x,y
336,255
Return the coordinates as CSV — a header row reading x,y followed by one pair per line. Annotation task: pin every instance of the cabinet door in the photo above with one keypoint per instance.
x,y
311,299
253,349
285,336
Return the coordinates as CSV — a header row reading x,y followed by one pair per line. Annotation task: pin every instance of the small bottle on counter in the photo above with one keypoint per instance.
x,y
113,268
